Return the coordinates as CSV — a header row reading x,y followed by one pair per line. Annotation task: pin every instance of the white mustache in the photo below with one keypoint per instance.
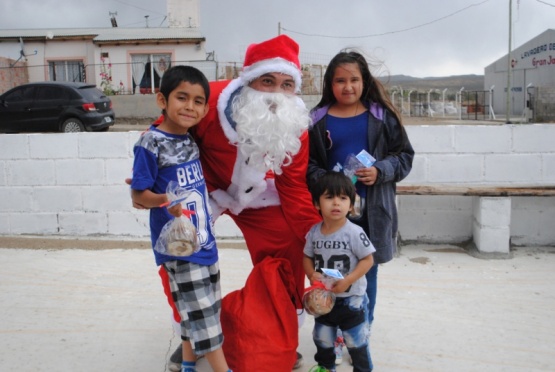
x,y
269,126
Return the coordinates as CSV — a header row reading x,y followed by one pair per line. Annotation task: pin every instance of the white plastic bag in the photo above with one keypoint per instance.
x,y
354,162
178,237
317,300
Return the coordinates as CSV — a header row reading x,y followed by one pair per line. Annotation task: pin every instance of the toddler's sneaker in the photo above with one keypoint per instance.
x,y
174,364
320,369
338,349
299,361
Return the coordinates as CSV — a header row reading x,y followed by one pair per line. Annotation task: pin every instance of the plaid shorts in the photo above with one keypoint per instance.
x,y
196,293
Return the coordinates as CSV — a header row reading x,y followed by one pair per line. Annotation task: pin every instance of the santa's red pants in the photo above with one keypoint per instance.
x,y
267,234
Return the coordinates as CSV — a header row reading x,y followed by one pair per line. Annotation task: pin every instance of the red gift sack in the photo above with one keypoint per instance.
x,y
260,321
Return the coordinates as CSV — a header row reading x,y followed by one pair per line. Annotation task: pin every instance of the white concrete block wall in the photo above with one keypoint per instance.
x,y
432,139
493,139
533,138
479,155
491,230
532,221
435,225
2,174
455,168
491,240
73,184
548,168
492,211
134,223
513,168
5,224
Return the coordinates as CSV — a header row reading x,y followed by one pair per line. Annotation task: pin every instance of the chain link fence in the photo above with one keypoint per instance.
x,y
431,103
122,79
144,78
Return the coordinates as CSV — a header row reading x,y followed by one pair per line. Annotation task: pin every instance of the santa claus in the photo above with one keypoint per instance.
x,y
254,152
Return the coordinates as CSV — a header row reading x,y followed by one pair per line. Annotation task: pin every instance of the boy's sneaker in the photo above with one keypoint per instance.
x,y
338,350
174,364
299,361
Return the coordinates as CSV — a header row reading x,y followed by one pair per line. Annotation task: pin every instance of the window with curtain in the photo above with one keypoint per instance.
x,y
147,71
66,71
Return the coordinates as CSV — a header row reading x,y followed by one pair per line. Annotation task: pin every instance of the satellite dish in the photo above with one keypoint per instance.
x,y
22,52
49,35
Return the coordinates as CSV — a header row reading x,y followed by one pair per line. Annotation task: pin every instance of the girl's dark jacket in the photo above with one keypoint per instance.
x,y
394,154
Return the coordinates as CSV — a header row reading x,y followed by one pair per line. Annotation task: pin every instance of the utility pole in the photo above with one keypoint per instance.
x,y
279,28
509,66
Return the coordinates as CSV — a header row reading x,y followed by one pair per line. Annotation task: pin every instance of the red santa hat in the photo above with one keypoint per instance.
x,y
280,54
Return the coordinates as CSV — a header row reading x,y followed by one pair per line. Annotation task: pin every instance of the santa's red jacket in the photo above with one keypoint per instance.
x,y
274,212
233,185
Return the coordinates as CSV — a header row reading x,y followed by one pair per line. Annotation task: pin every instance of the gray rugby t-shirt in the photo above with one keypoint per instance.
x,y
340,250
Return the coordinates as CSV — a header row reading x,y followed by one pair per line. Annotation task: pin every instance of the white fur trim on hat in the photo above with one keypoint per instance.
x,y
267,66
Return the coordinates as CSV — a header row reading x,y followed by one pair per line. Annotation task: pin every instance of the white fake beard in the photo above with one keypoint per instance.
x,y
268,127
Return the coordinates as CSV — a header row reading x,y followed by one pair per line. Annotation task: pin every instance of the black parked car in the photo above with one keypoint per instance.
x,y
55,106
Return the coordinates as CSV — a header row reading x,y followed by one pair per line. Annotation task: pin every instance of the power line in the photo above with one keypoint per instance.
x,y
138,7
543,2
142,22
389,32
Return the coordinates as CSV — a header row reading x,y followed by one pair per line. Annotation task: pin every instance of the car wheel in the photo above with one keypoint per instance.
x,y
72,125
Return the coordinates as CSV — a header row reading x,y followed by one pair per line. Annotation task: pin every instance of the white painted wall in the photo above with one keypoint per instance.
x,y
72,184
534,65
90,53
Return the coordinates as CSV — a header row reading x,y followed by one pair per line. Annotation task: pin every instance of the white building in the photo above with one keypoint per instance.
x,y
112,58
532,66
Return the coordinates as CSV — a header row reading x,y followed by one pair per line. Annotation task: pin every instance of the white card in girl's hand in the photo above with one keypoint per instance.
x,y
365,159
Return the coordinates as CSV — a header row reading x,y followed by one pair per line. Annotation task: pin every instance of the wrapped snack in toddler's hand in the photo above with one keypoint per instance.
x,y
178,237
319,299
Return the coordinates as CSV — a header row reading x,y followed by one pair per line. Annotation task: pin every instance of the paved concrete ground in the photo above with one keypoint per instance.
x,y
439,309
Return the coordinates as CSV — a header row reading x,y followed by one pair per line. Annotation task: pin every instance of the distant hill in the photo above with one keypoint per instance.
x,y
452,83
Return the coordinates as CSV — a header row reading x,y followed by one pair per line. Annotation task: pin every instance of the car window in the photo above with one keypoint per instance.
x,y
21,94
49,93
92,94
74,94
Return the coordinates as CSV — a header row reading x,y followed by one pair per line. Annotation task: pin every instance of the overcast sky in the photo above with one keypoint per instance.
x,y
420,38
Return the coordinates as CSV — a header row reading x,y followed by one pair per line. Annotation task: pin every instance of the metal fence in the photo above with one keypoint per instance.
x,y
475,105
113,78
137,78
432,103
122,78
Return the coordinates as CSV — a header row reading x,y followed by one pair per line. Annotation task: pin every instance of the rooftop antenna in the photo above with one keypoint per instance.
x,y
146,20
113,18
